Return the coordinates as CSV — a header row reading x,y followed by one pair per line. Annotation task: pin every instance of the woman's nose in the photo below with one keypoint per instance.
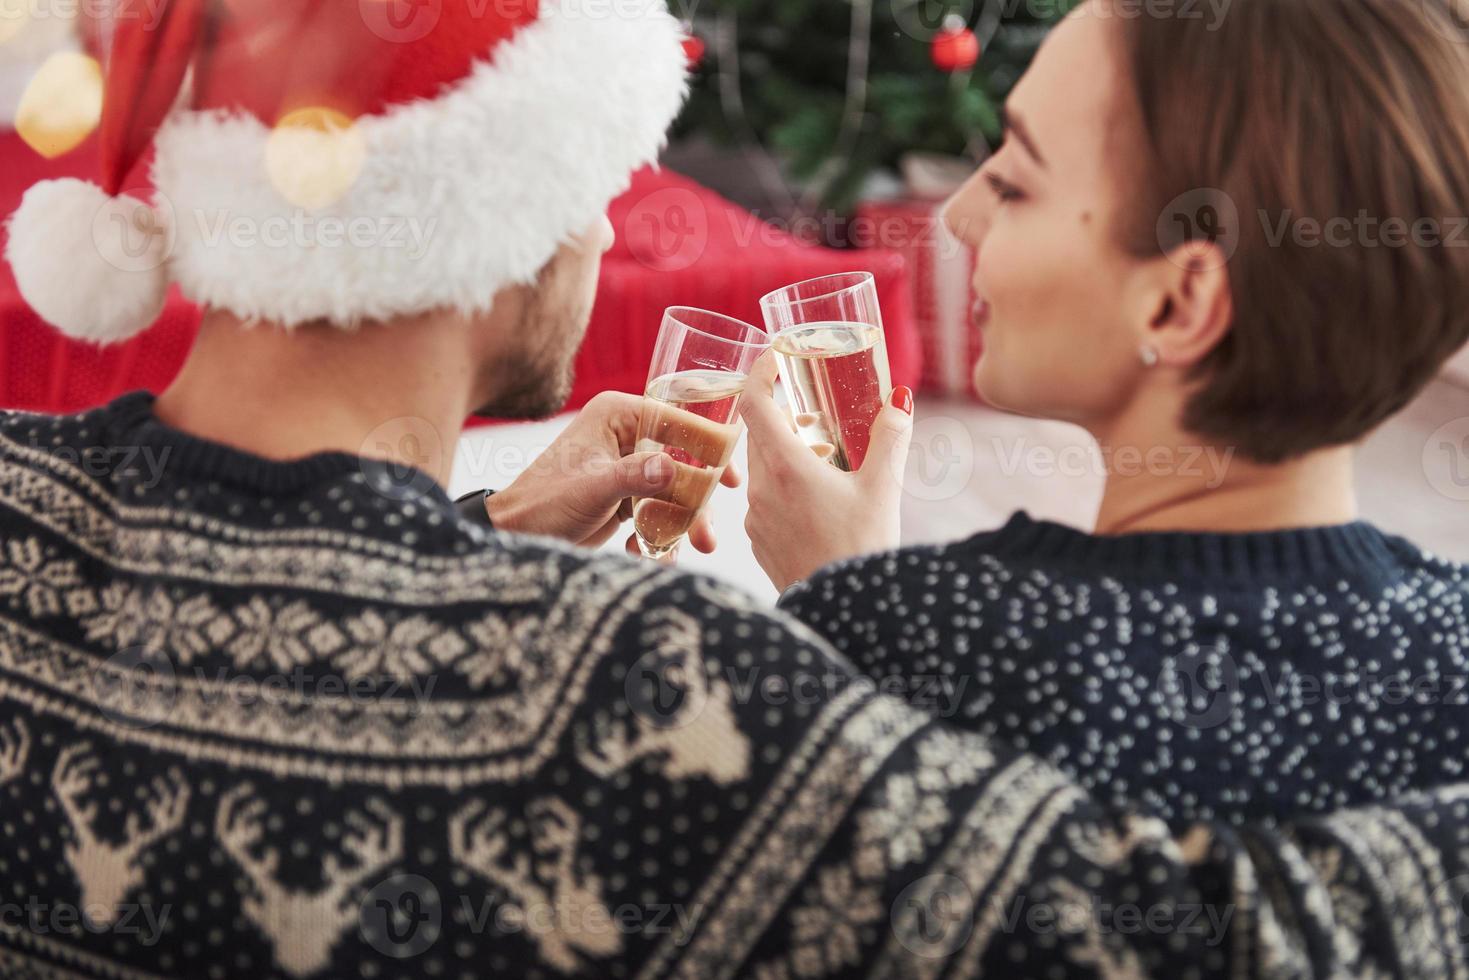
x,y
966,215
964,222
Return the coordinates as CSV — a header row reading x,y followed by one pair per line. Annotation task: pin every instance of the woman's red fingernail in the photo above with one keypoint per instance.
x,y
903,399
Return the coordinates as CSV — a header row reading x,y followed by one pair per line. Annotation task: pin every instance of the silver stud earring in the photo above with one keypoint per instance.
x,y
1149,354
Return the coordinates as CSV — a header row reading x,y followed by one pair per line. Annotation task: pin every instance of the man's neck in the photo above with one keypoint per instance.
x,y
399,391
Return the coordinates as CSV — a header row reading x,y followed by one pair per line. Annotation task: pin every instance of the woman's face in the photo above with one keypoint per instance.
x,y
1061,309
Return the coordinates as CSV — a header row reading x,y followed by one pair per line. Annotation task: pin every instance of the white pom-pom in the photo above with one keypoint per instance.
x,y
93,266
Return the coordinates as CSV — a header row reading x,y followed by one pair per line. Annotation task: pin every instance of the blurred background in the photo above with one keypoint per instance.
x,y
829,105
821,137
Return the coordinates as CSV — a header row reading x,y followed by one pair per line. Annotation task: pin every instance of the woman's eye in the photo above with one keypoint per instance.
x,y
1003,189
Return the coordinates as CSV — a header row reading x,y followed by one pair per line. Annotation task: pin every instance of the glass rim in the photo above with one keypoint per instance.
x,y
864,279
672,314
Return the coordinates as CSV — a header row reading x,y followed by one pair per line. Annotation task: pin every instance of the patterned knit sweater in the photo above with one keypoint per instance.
x,y
299,720
1209,676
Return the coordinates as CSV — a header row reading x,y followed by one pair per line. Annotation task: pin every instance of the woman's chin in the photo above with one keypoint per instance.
x,y
996,386
988,382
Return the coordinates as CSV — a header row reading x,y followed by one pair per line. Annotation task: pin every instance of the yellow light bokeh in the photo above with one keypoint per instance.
x,y
62,105
314,156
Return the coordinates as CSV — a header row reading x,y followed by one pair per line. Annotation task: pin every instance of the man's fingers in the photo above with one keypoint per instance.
x,y
620,413
702,439
638,475
701,536
731,477
603,534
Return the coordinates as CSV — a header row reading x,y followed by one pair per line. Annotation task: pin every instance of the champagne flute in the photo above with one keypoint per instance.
x,y
691,412
833,361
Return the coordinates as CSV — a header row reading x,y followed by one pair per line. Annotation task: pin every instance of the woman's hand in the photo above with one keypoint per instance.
x,y
581,488
806,513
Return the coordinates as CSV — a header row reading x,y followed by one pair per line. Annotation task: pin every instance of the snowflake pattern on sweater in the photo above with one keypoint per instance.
x,y
289,720
1208,676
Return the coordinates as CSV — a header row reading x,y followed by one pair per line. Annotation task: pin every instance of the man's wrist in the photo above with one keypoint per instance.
x,y
506,512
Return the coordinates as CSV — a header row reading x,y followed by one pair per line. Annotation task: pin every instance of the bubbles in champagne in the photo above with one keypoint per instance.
x,y
837,378
692,417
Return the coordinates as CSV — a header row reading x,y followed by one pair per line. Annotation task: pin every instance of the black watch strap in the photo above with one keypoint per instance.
x,y
473,507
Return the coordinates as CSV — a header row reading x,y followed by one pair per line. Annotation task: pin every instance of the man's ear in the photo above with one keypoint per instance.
x,y
1191,305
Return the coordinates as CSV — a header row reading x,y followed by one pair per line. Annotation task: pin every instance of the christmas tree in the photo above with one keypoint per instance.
x,y
837,89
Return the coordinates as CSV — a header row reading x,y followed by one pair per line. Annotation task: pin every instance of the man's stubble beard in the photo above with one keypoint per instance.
x,y
541,378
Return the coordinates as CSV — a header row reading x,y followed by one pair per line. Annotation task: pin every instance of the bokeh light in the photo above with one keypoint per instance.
x,y
314,156
62,105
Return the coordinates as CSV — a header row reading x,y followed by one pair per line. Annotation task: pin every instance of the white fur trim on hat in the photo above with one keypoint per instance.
x,y
455,198
91,265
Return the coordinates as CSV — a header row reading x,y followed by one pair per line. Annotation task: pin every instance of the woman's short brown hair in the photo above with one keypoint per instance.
x,y
1338,130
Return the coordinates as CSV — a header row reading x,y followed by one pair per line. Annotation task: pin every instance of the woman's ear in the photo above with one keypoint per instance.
x,y
1191,306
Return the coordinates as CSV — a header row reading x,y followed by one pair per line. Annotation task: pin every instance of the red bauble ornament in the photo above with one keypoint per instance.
x,y
955,48
693,50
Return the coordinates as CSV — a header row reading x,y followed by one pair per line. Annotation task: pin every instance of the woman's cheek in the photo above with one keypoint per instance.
x,y
1019,362
990,372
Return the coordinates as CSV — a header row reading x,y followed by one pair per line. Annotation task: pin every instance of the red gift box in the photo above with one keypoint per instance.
x,y
941,271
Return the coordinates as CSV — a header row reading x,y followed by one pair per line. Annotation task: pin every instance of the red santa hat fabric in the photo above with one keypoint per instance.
x,y
347,160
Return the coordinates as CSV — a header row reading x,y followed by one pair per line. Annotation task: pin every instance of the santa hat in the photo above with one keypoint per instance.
x,y
347,160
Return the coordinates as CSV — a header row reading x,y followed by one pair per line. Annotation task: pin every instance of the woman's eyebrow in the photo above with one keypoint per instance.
x,y
1016,127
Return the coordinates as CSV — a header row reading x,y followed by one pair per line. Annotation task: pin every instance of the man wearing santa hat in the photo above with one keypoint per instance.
x,y
277,708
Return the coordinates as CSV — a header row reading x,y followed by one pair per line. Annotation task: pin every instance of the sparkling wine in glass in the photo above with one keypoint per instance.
x,y
691,413
833,361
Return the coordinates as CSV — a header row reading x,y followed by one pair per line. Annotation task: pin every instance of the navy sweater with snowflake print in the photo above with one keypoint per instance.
x,y
300,720
1237,677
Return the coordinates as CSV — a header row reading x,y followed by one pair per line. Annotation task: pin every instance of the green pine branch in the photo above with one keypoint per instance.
x,y
793,66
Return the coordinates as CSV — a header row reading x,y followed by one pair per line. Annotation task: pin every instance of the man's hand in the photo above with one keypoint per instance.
x,y
581,488
806,513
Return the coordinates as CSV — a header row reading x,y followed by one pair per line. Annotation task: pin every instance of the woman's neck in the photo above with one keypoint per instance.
x,y
1183,484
